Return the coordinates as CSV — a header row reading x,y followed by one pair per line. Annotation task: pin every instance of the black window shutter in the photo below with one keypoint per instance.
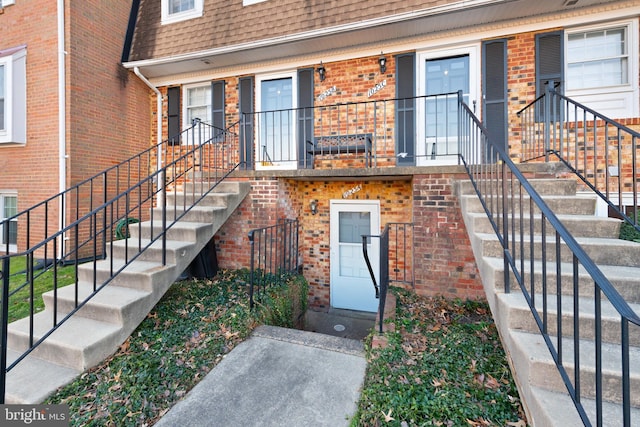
x,y
405,109
549,64
217,107
173,115
246,121
305,116
495,91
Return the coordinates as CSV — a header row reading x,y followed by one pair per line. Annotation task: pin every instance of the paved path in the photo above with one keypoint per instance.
x,y
277,377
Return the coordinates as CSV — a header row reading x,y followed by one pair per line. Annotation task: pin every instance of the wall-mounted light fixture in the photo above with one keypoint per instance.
x,y
383,63
314,206
322,72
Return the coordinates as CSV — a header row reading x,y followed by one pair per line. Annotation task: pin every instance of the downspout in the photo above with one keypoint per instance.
x,y
62,121
136,70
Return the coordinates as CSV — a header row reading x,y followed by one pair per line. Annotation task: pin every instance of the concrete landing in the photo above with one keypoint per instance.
x,y
277,377
340,323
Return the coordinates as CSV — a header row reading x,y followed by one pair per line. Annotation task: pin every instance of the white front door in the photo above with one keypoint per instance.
x,y
444,72
351,284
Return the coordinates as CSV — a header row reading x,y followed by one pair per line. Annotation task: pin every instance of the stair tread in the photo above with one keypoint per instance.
x,y
33,379
109,296
561,216
76,332
133,243
611,364
139,266
615,272
586,305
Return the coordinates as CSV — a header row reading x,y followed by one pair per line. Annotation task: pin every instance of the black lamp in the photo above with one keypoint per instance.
x,y
383,63
322,72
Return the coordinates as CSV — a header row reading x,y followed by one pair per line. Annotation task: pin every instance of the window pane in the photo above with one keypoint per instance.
x,y
199,104
9,210
177,6
597,58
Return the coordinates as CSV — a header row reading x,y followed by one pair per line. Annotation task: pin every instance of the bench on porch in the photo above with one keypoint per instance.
x,y
342,144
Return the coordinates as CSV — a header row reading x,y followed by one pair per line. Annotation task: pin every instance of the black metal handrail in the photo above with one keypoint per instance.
x,y
396,255
601,152
292,137
511,203
139,185
274,251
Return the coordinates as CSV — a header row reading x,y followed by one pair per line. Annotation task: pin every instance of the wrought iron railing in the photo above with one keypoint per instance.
x,y
601,152
353,134
131,189
542,268
396,261
274,252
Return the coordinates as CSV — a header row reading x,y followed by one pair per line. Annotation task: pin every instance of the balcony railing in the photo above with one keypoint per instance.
x,y
600,151
383,133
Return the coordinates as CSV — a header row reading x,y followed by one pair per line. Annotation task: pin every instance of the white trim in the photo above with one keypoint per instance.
x,y
473,51
293,75
15,98
5,3
250,2
3,195
167,18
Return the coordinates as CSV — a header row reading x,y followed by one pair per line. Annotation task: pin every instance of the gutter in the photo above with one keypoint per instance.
x,y
62,121
159,159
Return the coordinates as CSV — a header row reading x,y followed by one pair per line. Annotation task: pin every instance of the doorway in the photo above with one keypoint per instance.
x,y
351,284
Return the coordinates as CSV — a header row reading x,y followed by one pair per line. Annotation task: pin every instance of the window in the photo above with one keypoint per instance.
x,y
599,65
4,3
8,208
250,2
13,96
180,10
597,58
197,105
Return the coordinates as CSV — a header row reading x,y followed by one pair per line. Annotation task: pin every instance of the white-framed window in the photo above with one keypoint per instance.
x,y
4,3
250,2
601,69
8,208
180,10
13,96
197,105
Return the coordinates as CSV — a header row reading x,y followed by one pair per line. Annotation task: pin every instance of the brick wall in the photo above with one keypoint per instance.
x,y
445,264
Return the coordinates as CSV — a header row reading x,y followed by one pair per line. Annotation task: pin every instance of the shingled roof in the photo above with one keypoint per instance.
x,y
228,22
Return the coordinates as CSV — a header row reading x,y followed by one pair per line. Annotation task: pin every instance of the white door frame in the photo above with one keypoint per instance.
x,y
354,293
475,82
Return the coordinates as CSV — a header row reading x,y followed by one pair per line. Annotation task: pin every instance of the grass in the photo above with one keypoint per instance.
x,y
444,366
20,299
189,331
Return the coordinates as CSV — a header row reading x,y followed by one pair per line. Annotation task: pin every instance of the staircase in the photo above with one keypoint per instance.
x,y
541,387
104,323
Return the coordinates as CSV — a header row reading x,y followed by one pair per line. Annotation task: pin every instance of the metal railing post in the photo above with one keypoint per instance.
x,y
547,121
4,275
252,270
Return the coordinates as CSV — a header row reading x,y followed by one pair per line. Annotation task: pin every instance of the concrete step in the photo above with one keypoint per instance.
x,y
200,180
544,374
560,205
182,230
577,225
519,316
601,251
78,343
111,304
545,186
209,214
626,280
178,252
140,275
189,198
33,379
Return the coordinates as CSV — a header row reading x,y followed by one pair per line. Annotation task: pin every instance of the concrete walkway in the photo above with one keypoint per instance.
x,y
277,377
